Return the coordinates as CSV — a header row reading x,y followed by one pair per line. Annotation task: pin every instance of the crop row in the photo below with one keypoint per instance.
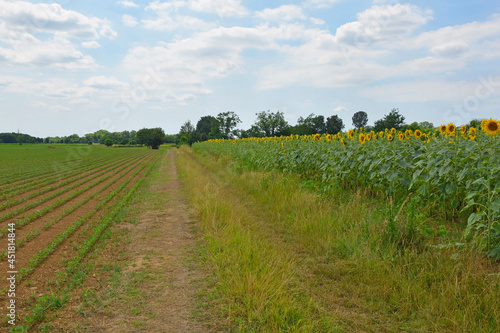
x,y
52,183
57,173
52,246
35,232
55,195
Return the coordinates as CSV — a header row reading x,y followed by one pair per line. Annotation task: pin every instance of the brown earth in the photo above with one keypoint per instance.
x,y
156,290
37,283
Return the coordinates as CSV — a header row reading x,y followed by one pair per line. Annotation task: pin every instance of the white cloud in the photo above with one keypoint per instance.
x,y
108,32
165,6
127,4
25,17
106,83
24,27
382,23
55,53
282,13
91,45
129,21
168,18
184,65
167,22
317,21
220,7
320,3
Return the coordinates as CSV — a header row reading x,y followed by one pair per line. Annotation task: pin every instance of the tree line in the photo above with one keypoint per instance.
x,y
224,126
268,123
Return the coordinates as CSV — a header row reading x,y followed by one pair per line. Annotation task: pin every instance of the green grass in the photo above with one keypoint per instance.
x,y
284,258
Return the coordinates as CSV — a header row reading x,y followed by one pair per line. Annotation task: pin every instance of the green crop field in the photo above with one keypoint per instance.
x,y
56,202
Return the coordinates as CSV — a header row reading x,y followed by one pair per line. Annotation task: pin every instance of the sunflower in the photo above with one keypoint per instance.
x,y
362,138
390,137
361,129
483,124
450,129
463,129
408,134
472,136
316,137
342,140
492,127
381,134
350,134
368,137
393,130
418,134
472,131
442,129
329,138
401,136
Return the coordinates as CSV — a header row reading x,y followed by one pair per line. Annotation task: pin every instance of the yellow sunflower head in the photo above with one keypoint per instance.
x,y
350,134
362,138
329,138
393,130
492,127
442,129
381,134
418,134
368,137
401,136
408,134
361,129
317,137
390,137
483,124
450,129
463,129
473,130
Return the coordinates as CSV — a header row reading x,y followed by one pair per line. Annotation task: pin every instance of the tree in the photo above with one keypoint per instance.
x,y
426,124
227,122
360,119
311,125
108,142
186,133
391,120
151,137
205,126
270,123
334,124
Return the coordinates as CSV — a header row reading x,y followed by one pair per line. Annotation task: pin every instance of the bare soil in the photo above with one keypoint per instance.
x,y
157,284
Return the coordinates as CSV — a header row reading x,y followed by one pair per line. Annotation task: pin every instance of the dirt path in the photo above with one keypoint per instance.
x,y
156,290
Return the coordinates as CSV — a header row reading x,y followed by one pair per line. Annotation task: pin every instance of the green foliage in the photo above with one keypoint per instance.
x,y
151,137
334,124
391,120
455,177
312,124
270,124
227,122
360,119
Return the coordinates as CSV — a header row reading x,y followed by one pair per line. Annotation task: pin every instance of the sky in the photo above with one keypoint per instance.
x,y
75,67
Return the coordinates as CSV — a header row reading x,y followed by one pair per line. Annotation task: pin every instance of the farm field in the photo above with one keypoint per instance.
x,y
58,201
358,232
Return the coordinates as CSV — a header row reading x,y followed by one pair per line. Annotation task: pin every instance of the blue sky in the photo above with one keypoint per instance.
x,y
79,66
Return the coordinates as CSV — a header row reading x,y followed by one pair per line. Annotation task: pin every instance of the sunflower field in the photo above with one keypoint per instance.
x,y
453,171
